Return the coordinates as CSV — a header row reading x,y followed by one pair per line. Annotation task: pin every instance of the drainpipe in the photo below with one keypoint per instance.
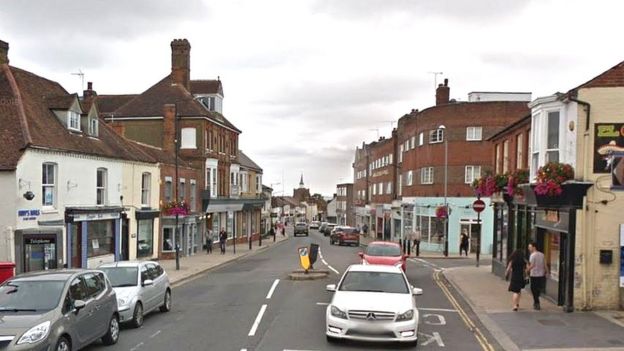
x,y
587,108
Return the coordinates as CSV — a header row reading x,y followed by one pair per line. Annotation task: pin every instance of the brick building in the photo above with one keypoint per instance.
x,y
345,212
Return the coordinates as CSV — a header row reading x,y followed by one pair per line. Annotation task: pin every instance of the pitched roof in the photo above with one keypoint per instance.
x,y
61,102
150,102
245,161
613,77
109,103
160,155
29,122
205,86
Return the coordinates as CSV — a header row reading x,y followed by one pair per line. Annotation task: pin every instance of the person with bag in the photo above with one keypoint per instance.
x,y
516,269
537,273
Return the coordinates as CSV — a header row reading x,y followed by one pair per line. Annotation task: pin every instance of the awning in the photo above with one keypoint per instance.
x,y
215,208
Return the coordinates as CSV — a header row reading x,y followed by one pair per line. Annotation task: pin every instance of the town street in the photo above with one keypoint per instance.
x,y
240,306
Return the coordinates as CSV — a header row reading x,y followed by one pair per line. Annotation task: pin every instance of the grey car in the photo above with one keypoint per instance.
x,y
141,287
58,310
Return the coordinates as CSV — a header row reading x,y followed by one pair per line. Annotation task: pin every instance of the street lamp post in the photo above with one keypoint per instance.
x,y
443,128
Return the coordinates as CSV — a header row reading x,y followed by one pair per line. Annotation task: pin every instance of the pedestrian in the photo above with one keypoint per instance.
x,y
463,243
222,240
272,231
209,242
416,246
283,229
537,273
365,229
516,269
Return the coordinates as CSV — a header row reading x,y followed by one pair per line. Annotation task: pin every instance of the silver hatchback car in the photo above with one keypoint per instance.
x,y
141,287
58,310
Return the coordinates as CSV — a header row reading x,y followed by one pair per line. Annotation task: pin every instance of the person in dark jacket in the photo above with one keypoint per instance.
x,y
209,242
516,269
463,243
222,240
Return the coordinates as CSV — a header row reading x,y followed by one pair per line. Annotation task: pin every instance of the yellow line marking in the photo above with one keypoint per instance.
x,y
471,326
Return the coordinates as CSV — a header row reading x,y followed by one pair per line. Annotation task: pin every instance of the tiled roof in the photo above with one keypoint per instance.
x,y
109,103
160,155
245,161
61,102
28,121
206,87
613,77
150,104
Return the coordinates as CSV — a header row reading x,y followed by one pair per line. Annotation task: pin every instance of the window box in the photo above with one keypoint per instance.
x,y
571,196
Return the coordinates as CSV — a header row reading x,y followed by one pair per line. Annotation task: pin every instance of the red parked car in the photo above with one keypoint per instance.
x,y
343,235
385,253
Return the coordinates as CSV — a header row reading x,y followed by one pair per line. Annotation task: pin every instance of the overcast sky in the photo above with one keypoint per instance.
x,y
307,81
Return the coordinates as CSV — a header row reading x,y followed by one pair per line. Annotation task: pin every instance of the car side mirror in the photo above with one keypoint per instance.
x,y
79,304
331,287
148,282
361,254
417,291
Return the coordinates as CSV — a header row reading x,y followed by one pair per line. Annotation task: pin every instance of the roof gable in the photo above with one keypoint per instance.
x,y
613,77
204,86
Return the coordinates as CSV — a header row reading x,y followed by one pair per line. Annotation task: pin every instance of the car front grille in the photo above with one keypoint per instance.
x,y
381,334
371,315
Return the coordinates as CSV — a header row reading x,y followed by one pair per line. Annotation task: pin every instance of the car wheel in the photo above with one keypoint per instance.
x,y
112,335
63,344
137,316
166,306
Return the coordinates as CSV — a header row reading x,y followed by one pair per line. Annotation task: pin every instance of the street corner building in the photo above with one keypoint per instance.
x,y
580,228
66,178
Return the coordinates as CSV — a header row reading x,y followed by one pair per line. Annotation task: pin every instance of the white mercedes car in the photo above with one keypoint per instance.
x,y
373,303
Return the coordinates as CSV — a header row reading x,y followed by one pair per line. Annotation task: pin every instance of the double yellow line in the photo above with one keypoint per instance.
x,y
471,326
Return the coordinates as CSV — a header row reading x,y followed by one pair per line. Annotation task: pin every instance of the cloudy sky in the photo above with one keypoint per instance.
x,y
308,80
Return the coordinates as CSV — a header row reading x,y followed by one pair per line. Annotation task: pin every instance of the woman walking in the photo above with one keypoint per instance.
x,y
516,269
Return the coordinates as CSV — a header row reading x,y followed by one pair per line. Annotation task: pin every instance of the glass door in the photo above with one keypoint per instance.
x,y
39,253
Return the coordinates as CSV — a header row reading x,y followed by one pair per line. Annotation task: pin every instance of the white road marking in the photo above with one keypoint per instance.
x,y
322,303
272,289
254,327
432,321
137,346
435,336
327,264
156,333
437,309
333,269
243,349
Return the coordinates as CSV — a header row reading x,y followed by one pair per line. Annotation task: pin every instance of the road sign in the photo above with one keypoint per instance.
x,y
304,258
478,205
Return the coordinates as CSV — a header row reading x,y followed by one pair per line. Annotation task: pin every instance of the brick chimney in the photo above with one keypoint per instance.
x,y
169,132
181,62
4,52
89,93
442,93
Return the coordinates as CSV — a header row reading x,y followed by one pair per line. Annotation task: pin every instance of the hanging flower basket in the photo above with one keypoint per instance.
x,y
551,176
442,212
180,208
489,184
515,178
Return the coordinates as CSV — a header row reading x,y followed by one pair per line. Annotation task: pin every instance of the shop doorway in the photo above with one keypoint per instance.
x,y
39,253
555,256
76,246
473,229
125,240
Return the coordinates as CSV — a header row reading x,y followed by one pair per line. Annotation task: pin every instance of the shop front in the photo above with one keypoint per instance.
x,y
38,249
93,236
181,233
145,235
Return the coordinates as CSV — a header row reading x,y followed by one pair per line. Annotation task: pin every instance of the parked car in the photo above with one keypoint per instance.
x,y
315,225
372,303
141,287
342,235
322,227
384,252
57,310
328,228
301,228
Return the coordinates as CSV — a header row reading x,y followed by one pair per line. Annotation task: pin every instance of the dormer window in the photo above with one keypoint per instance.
x,y
73,120
93,127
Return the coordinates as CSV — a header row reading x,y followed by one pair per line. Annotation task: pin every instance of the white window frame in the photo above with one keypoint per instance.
x,y
474,133
520,151
49,168
193,196
421,139
401,150
189,138
506,162
101,188
93,127
436,136
146,188
471,173
390,157
413,142
380,185
410,178
389,188
168,181
400,187
73,117
426,175
556,149
182,190
374,189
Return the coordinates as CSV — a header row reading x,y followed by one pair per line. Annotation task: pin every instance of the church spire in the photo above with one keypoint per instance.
x,y
301,185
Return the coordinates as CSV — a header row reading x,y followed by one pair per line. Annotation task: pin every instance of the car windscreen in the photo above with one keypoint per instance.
x,y
374,282
349,230
121,276
383,250
30,295
300,224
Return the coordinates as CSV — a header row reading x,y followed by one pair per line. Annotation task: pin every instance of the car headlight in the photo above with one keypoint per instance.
x,y
406,316
337,312
122,301
35,334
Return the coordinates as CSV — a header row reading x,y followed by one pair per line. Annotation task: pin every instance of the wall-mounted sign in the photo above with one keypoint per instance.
x,y
380,173
608,138
617,171
95,216
28,215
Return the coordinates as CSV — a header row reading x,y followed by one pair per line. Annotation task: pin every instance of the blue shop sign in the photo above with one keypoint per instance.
x,y
28,215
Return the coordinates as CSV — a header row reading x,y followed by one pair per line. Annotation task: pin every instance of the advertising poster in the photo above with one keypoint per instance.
x,y
617,171
621,255
608,138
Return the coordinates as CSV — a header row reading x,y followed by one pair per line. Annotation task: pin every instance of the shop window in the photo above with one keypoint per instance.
x,y
145,238
146,184
48,185
101,238
101,184
168,239
168,189
192,197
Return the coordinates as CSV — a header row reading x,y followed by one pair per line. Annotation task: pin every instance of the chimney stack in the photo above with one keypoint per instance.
x,y
169,132
181,62
4,52
89,93
443,93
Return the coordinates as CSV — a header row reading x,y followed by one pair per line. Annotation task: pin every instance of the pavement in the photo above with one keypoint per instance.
x,y
365,240
547,329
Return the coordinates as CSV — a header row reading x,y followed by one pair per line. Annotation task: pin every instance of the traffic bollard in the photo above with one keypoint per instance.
x,y
177,253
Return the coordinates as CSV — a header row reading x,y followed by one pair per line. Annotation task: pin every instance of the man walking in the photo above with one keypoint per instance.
x,y
537,273
222,240
209,242
416,237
